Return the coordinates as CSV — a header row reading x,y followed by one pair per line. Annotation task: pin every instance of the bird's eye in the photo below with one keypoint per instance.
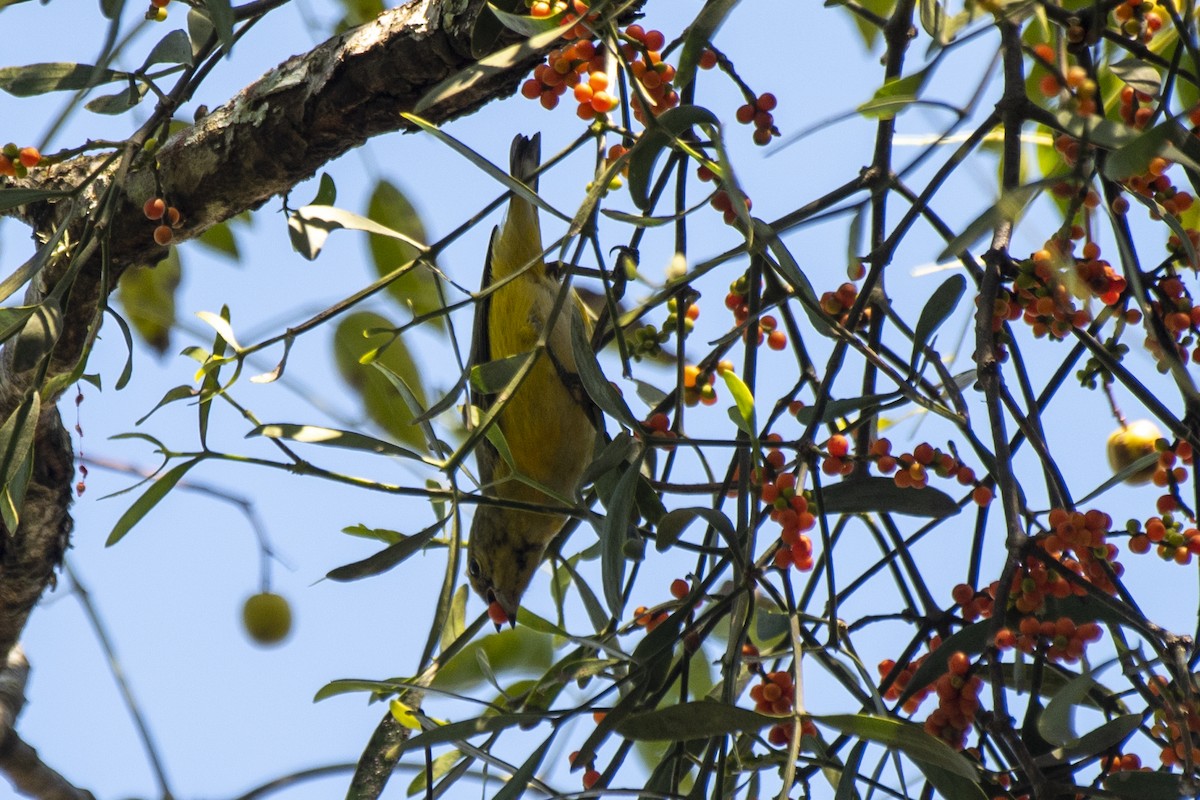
x,y
473,568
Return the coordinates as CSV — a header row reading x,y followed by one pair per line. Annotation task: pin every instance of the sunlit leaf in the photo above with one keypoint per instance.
x,y
59,76
149,499
416,289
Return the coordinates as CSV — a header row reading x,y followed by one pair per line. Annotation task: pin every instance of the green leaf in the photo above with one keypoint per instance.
x,y
511,651
220,13
675,522
11,198
613,536
16,442
331,437
178,393
376,392
516,785
310,226
698,36
895,95
1056,723
743,398
147,295
882,495
909,738
417,289
149,499
38,336
219,238
941,304
493,377
120,102
594,383
695,720
1139,74
12,320
1130,785
486,67
58,76
527,25
1008,208
388,557
645,152
836,409
174,48
1133,157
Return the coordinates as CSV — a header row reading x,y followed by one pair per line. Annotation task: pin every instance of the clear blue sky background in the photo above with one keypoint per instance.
x,y
227,715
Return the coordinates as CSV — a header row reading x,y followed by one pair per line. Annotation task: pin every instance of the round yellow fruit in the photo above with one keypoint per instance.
x,y
267,617
1131,443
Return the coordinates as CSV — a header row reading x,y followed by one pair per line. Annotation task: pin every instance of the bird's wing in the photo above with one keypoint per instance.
x,y
481,353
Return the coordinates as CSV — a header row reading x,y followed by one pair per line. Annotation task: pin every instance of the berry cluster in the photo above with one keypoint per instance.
x,y
720,199
777,695
698,386
758,110
958,701
168,217
911,470
659,424
1166,534
901,677
15,162
582,66
837,304
1172,304
1138,19
1176,721
1047,283
1136,108
1061,639
975,604
789,508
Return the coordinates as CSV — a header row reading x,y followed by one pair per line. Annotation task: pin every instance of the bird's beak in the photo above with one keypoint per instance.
x,y
506,605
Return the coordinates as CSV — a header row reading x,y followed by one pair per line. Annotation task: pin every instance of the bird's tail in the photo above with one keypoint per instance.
x,y
524,159
519,241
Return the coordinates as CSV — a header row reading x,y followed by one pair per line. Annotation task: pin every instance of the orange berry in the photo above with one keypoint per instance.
x,y
777,340
680,588
590,778
154,208
163,235
30,157
173,216
838,446
982,496
497,614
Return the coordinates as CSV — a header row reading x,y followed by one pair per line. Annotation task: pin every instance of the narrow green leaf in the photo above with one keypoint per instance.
x,y
645,152
178,393
515,787
896,94
11,198
525,24
388,557
836,409
310,226
790,271
694,720
16,458
331,437
742,397
613,536
1130,785
149,499
1008,208
594,383
495,376
941,304
845,785
882,495
12,320
698,36
36,79
675,522
908,737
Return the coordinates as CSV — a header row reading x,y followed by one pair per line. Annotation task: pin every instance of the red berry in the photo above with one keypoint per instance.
x,y
163,235
680,588
154,208
766,102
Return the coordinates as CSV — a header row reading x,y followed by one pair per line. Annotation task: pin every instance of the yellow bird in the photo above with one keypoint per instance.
x,y
546,423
